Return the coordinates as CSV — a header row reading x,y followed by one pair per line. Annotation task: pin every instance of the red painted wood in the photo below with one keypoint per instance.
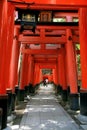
x,y
50,78
41,52
59,69
83,45
35,74
38,74
45,40
54,76
56,2
3,46
48,34
63,69
10,41
14,61
31,69
47,66
24,72
71,63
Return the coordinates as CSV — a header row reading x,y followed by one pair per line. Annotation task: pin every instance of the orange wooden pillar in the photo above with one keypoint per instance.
x,y
3,61
31,73
3,46
10,27
59,87
36,75
67,75
63,74
83,53
31,67
40,75
26,76
26,71
50,78
62,87
10,42
54,75
35,71
72,71
13,81
23,76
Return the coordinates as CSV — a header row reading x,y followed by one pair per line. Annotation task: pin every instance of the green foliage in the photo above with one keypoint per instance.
x,y
78,59
47,71
78,46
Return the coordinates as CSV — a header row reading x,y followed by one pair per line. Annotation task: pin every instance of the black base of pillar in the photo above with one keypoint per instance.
x,y
31,89
16,89
9,103
68,90
36,86
1,112
17,94
21,94
83,103
64,95
13,101
59,89
9,92
79,89
26,90
3,105
74,101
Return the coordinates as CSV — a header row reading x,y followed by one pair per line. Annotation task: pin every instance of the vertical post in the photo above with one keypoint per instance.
x,y
72,71
14,60
40,75
83,53
63,71
3,47
10,39
38,69
23,76
31,65
36,73
3,61
9,89
54,75
31,74
59,88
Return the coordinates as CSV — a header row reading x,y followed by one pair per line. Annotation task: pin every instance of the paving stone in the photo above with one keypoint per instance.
x,y
43,112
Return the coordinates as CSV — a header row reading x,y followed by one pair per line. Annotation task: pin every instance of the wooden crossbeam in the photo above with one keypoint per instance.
x,y
63,3
41,52
45,40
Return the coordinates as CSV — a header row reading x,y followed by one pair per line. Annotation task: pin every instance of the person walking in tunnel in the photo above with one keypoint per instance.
x,y
45,82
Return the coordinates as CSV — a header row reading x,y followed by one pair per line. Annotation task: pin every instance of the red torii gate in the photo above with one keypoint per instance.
x,y
6,45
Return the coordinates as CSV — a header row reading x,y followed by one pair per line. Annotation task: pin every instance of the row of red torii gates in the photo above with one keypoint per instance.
x,y
61,60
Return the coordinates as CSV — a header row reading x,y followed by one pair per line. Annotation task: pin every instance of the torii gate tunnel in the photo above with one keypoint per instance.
x,y
36,35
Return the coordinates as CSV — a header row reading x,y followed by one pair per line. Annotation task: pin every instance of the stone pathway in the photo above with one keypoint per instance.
x,y
43,112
